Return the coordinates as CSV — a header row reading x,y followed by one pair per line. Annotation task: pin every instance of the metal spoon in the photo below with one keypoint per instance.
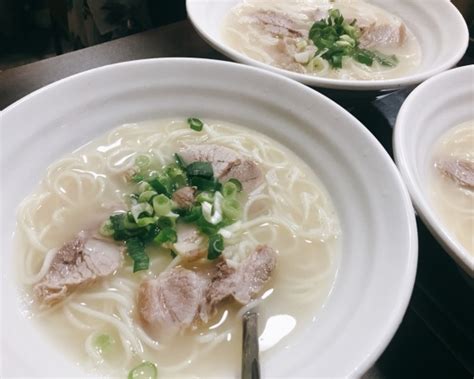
x,y
250,363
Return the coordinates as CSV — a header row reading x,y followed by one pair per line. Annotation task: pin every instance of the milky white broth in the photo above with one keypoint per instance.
x,y
453,203
255,42
291,212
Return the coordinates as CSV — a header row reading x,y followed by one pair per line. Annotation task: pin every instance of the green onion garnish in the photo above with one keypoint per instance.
x,y
237,183
203,184
230,189
141,209
190,215
103,342
202,169
195,124
231,209
216,246
335,39
162,205
145,370
179,161
136,251
166,235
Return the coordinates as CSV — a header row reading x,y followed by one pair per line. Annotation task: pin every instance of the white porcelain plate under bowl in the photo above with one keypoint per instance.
x,y
437,24
432,109
379,239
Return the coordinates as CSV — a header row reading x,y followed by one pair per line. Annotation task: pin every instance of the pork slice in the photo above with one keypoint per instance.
x,y
383,35
173,300
222,158
461,171
77,263
244,281
184,197
190,242
277,23
247,173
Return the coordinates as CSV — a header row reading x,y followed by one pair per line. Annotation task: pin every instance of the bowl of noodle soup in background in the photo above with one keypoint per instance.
x,y
371,276
429,129
431,25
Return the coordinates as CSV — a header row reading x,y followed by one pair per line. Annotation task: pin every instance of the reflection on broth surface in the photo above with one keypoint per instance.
x,y
110,325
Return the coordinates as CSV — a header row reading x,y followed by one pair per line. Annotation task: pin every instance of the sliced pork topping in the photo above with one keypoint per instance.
x,y
461,171
190,244
277,23
180,297
78,263
173,300
245,281
184,197
383,35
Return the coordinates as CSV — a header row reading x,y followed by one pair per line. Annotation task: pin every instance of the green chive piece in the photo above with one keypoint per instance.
x,y
216,246
195,124
145,370
202,169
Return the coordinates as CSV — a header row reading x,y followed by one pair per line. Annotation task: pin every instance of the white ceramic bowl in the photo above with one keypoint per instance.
x,y
432,109
378,264
438,25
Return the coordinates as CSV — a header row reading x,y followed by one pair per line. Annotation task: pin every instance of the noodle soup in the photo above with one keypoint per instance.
x,y
341,39
452,183
100,325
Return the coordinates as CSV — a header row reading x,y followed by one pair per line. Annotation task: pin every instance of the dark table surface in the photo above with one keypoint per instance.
x,y
436,337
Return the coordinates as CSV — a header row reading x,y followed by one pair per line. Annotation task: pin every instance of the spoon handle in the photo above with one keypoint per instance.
x,y
250,364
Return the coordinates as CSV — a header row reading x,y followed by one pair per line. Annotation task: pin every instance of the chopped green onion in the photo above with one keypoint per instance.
x,y
203,184
175,177
216,246
141,208
165,222
103,342
144,186
237,183
195,124
202,169
230,189
145,221
145,197
363,57
385,60
231,208
179,161
166,235
190,215
136,251
158,186
162,205
205,196
137,178
129,222
107,229
206,227
145,370
335,39
118,224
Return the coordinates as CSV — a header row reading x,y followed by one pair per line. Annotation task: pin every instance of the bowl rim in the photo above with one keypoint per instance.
x,y
405,289
420,200
339,84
